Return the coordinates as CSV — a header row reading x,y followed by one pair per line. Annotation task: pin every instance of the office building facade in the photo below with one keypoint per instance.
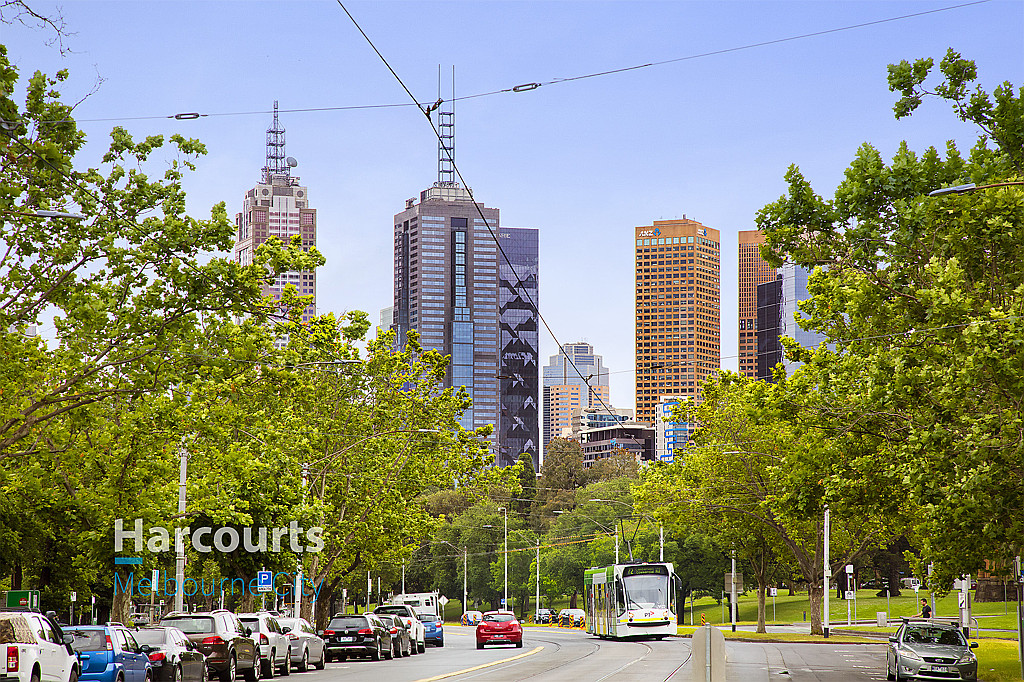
x,y
278,207
778,312
670,437
565,389
678,311
753,271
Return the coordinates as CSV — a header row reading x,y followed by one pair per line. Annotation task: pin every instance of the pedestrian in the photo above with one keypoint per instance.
x,y
926,610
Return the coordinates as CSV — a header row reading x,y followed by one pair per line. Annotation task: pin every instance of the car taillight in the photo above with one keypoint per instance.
x,y
394,631
156,656
213,641
110,645
263,639
366,631
328,632
12,659
292,635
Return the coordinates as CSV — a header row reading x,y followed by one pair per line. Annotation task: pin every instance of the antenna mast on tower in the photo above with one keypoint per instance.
x,y
446,137
275,149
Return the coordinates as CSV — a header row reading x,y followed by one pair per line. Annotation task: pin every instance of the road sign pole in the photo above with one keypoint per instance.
x,y
1020,615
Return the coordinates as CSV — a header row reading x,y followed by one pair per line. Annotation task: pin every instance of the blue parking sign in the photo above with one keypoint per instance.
x,y
264,581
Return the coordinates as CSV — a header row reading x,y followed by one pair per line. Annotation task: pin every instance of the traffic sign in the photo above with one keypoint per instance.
x,y
442,600
849,594
961,600
849,568
74,596
773,591
23,598
264,581
703,620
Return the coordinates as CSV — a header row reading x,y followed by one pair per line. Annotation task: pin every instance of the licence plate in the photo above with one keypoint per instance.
x,y
346,639
942,669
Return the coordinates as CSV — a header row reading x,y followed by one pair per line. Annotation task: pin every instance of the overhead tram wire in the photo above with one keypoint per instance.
x,y
526,87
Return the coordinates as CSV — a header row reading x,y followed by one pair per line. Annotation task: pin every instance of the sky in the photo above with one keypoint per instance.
x,y
709,135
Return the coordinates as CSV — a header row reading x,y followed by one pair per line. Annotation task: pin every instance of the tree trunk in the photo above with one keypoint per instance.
x,y
815,591
572,600
761,589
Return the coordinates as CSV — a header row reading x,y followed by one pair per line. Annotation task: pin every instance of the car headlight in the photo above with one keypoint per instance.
x,y
968,658
912,655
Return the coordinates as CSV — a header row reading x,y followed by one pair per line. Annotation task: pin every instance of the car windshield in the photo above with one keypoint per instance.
x,y
14,629
933,635
646,591
253,623
288,623
88,640
347,622
191,625
499,617
150,636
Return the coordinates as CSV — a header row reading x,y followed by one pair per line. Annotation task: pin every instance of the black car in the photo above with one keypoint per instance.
x,y
172,655
353,635
544,616
226,643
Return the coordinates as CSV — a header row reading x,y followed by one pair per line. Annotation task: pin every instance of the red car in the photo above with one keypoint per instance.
x,y
499,627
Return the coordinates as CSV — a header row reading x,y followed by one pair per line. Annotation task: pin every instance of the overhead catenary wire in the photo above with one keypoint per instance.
x,y
529,86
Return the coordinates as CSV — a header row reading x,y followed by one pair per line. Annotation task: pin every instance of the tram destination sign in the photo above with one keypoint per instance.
x,y
645,569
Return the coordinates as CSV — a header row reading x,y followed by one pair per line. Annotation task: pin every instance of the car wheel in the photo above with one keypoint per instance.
x,y
268,665
322,663
396,649
889,674
286,669
229,674
176,673
304,663
479,645
73,677
203,675
376,655
253,673
440,642
519,644
421,647
389,652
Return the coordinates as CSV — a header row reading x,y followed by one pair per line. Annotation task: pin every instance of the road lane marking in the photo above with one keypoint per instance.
x,y
531,652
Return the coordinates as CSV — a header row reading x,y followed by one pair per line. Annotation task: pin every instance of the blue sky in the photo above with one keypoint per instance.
x,y
583,161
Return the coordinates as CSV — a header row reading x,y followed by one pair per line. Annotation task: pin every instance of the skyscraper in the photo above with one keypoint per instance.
x,y
278,207
678,338
453,286
753,270
565,390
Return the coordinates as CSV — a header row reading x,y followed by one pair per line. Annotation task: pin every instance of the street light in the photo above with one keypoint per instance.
x,y
505,600
47,214
969,187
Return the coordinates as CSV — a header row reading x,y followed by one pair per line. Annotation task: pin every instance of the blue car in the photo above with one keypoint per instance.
x,y
109,653
433,629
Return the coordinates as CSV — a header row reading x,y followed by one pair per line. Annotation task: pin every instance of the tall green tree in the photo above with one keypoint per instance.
x,y
923,297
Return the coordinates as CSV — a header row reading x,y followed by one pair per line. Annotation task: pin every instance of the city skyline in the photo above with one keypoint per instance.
x,y
582,161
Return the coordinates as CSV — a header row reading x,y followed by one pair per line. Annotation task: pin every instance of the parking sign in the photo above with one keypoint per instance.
x,y
264,581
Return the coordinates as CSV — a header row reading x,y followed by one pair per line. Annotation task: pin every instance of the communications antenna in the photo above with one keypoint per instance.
x,y
276,164
446,136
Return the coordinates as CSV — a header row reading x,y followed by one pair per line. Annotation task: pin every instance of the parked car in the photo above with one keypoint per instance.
x,y
223,639
357,635
544,616
172,655
34,648
412,622
499,627
306,645
109,653
401,638
572,618
275,647
433,629
875,584
472,617
930,650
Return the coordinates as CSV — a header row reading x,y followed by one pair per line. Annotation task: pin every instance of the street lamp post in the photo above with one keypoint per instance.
x,y
505,600
969,187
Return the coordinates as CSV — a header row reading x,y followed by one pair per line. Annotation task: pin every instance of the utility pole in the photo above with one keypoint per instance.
x,y
828,526
179,540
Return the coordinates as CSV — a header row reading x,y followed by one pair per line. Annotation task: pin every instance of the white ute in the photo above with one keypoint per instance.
x,y
32,649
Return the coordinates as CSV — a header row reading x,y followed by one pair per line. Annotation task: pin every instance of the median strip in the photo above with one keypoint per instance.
x,y
531,652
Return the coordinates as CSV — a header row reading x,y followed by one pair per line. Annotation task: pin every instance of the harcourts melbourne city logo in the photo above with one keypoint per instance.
x,y
205,539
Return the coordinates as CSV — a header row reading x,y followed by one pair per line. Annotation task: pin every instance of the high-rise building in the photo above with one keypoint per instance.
x,y
678,311
278,207
753,270
670,436
565,389
769,321
453,286
778,310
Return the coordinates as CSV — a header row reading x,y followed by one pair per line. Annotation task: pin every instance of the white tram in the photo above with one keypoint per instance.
x,y
631,600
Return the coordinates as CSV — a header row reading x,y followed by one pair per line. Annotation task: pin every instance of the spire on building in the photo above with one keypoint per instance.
x,y
277,162
446,137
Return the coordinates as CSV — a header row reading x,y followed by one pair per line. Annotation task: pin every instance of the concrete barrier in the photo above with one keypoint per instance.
x,y
708,655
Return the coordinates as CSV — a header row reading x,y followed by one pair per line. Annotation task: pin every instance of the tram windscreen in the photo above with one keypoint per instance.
x,y
646,587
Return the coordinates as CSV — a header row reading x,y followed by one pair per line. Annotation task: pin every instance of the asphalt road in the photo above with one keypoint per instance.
x,y
552,654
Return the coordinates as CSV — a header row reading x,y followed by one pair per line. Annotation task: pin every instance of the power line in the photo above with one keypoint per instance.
x,y
528,86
